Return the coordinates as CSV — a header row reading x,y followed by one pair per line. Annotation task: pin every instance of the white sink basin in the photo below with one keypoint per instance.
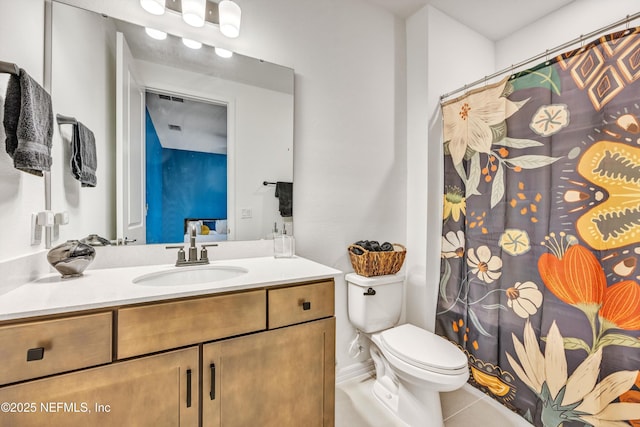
x,y
190,276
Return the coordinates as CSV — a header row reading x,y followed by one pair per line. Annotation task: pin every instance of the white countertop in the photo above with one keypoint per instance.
x,y
51,294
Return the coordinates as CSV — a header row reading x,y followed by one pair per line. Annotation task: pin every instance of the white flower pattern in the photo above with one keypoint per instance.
x,y
576,397
524,298
453,244
468,120
484,265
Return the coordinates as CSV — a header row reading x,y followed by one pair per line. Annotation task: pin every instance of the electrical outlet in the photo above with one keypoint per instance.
x,y
246,213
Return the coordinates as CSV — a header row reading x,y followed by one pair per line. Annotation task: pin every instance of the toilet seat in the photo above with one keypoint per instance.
x,y
423,349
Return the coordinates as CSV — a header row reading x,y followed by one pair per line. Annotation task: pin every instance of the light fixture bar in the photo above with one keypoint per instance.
x,y
210,14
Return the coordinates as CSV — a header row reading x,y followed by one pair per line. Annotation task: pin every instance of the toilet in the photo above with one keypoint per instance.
x,y
412,365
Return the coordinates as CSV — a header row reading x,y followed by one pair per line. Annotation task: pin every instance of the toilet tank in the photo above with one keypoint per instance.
x,y
374,303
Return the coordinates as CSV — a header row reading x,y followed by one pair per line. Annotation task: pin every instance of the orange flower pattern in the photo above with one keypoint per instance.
x,y
621,305
575,278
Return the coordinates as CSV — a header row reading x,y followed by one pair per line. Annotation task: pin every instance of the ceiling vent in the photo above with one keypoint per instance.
x,y
170,98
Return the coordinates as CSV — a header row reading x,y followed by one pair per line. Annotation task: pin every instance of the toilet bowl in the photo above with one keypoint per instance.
x,y
412,365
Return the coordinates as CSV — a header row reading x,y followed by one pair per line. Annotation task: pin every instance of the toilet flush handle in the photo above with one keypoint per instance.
x,y
370,292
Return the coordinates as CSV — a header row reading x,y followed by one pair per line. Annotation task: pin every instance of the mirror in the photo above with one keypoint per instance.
x,y
95,82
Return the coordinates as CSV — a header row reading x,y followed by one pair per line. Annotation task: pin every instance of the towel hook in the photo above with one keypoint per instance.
x,y
9,67
66,120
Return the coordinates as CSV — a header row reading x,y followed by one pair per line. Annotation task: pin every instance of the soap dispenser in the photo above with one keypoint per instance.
x,y
283,244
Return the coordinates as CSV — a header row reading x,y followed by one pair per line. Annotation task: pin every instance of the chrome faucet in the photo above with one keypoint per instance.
x,y
193,251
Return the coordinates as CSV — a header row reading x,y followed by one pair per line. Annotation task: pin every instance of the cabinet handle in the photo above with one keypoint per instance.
x,y
212,392
35,354
188,388
306,305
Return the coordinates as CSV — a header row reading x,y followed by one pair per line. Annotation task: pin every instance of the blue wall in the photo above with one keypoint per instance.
x,y
181,184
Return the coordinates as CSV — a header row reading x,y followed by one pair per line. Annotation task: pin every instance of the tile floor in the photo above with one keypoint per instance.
x,y
357,407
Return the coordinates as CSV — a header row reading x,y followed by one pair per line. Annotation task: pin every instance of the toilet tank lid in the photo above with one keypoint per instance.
x,y
367,282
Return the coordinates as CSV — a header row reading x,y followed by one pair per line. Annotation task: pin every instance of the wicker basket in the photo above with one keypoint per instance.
x,y
372,263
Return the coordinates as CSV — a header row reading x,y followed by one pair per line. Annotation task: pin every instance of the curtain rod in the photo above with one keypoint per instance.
x,y
545,54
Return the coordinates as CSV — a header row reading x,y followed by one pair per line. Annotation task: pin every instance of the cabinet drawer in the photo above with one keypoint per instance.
x,y
149,328
296,304
48,347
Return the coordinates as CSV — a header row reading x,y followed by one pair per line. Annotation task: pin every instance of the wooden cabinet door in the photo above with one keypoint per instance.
x,y
149,391
284,377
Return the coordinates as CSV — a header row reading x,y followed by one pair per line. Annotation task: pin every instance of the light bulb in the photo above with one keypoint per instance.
x,y
223,53
154,7
193,44
193,12
155,34
230,15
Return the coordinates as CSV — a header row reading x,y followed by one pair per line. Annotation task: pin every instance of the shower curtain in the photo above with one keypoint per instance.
x,y
540,280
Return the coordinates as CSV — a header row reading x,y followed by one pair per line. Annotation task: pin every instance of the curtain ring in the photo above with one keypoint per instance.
x,y
628,22
547,56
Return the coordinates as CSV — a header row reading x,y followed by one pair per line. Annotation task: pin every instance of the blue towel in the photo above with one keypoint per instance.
x,y
84,161
28,124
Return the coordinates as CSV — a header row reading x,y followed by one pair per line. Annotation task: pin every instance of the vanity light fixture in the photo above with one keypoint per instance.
x,y
155,34
193,12
154,7
193,44
223,53
226,14
230,14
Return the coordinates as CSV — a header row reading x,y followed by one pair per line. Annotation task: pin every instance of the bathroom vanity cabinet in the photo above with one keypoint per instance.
x,y
264,356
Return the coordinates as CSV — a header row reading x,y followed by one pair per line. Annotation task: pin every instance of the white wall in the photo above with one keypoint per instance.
x,y
442,55
350,149
22,35
568,23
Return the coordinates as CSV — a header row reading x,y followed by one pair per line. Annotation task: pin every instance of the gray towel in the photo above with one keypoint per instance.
x,y
84,161
28,124
284,193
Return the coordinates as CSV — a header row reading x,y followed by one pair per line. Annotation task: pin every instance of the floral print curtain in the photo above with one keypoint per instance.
x,y
541,236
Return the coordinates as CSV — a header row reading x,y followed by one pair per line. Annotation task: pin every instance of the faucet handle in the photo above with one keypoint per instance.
x,y
181,254
204,255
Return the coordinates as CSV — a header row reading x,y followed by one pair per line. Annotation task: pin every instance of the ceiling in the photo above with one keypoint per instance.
x,y
494,19
186,124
